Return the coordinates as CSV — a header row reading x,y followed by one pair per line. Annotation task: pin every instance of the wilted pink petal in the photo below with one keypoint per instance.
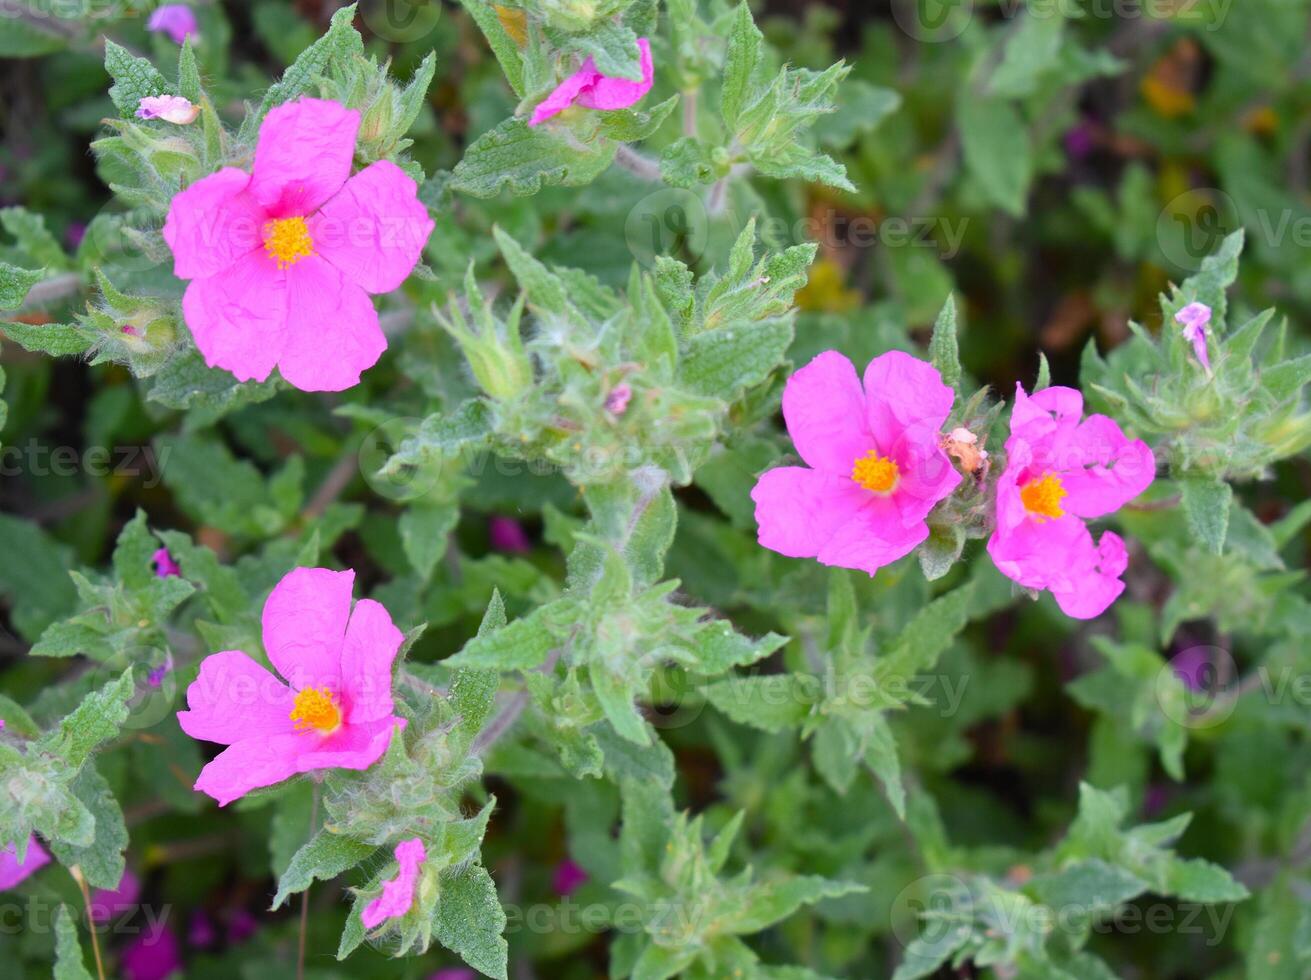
x,y
174,19
507,535
170,108
398,893
337,711
1195,318
877,467
12,871
588,88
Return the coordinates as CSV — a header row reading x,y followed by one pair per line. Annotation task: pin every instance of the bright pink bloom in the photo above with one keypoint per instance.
x,y
151,956
1061,472
1194,318
170,108
507,535
568,878
164,564
397,893
282,260
12,871
588,88
876,466
174,19
106,904
337,712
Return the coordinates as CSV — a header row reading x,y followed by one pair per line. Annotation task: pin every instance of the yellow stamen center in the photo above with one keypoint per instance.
x,y
314,708
1042,498
287,241
875,472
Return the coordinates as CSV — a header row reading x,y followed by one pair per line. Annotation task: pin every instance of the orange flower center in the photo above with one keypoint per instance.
x,y
287,241
314,708
875,472
1042,498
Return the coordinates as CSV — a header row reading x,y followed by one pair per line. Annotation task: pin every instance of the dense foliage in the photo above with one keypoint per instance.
x,y
577,712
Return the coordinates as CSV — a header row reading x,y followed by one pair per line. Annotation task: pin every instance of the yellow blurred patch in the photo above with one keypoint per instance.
x,y
1168,88
826,292
515,23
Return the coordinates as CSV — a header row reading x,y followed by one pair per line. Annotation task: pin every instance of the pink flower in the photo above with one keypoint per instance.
x,y
568,878
588,88
241,926
616,403
876,467
1194,318
337,711
507,535
397,893
454,973
174,19
200,931
13,871
1061,472
152,956
282,260
164,564
106,904
132,331
170,108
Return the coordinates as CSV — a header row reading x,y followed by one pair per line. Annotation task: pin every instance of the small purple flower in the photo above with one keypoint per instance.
x,y
174,19
568,878
164,564
453,973
151,956
1196,668
1194,318
241,926
132,331
1080,140
74,233
508,536
156,675
616,403
106,904
200,931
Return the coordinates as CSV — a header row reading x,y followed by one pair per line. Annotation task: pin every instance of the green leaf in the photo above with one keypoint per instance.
x,y
1032,51
502,45
770,702
469,920
744,42
324,856
102,860
340,41
929,633
521,645
944,348
56,339
773,901
1088,887
1206,502
523,159
69,961
134,79
207,394
1287,379
424,533
881,756
997,153
923,957
1196,880
14,284
725,361
97,719
617,692
32,237
613,47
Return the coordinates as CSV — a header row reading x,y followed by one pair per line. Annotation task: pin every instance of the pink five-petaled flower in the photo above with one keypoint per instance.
x,y
337,711
588,88
174,19
397,893
876,466
170,108
1061,472
12,871
282,260
1194,318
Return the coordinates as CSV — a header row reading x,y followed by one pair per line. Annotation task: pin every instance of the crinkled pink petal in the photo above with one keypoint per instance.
x,y
304,624
251,764
332,329
906,401
1113,469
824,409
303,156
1093,582
374,229
397,893
608,93
590,89
174,19
352,746
213,223
170,108
238,317
366,661
233,698
873,538
927,477
12,871
1045,420
799,510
